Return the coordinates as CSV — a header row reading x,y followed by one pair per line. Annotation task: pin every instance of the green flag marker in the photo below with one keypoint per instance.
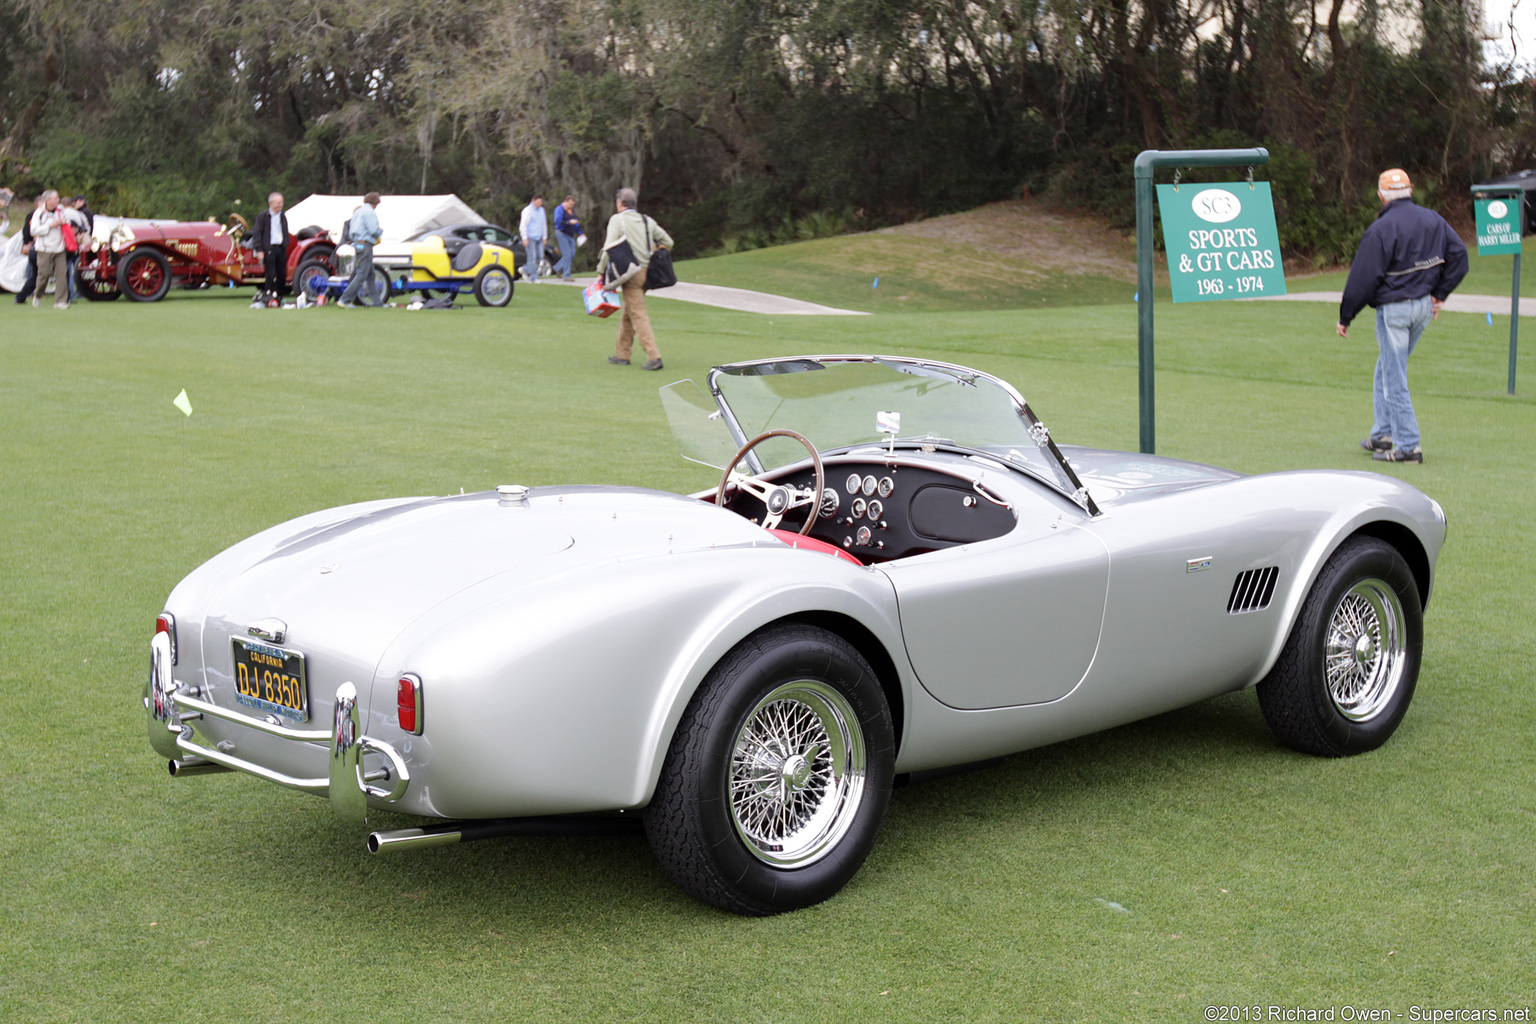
x,y
182,402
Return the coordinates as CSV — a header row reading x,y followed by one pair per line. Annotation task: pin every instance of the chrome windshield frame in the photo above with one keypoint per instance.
x,y
1069,483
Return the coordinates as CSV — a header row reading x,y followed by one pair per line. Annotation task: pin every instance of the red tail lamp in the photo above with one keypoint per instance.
x,y
166,623
408,704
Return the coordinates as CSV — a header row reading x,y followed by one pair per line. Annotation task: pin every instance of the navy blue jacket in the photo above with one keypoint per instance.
x,y
1408,253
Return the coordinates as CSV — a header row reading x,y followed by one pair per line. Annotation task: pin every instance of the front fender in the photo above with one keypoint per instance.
x,y
1383,506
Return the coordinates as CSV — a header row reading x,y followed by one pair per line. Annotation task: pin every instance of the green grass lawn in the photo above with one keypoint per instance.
x,y
1137,875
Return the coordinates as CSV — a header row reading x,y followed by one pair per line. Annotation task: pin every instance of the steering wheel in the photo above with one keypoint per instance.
x,y
777,499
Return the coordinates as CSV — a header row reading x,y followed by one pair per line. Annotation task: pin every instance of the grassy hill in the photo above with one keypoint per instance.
x,y
1020,254
1008,255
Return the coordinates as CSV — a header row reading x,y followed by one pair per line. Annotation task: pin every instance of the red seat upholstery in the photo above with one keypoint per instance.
x,y
804,543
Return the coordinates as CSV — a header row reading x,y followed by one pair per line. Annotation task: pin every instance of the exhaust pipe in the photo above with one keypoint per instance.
x,y
395,840
194,766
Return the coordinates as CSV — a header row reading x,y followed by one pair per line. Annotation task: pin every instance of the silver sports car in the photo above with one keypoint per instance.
x,y
900,571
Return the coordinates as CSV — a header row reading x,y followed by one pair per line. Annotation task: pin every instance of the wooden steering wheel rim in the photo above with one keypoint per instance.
x,y
821,474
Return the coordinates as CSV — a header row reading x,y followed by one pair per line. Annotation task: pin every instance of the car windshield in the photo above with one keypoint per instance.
x,y
842,402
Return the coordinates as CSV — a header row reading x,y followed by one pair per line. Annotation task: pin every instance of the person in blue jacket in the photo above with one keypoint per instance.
x,y
567,230
1409,261
364,233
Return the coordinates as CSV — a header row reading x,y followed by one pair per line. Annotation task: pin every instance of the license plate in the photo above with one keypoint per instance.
x,y
270,679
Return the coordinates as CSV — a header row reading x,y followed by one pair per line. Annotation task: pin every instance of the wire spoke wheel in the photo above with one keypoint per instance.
x,y
778,777
1347,672
1364,653
797,773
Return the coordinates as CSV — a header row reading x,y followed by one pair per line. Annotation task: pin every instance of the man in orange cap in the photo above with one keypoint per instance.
x,y
1409,260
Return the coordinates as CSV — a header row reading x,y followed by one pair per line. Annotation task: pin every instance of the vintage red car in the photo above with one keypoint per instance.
x,y
143,261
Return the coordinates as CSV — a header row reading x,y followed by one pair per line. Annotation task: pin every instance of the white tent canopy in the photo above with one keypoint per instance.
x,y
400,217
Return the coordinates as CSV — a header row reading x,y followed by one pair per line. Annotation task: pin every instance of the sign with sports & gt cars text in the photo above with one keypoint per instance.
x,y
1221,241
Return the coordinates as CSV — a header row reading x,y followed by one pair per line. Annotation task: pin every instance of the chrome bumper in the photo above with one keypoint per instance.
x,y
172,709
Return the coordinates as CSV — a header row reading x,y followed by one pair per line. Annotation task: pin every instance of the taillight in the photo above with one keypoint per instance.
x,y
166,623
408,704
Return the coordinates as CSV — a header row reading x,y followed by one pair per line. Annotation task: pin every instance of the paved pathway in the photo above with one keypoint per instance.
x,y
1498,305
740,299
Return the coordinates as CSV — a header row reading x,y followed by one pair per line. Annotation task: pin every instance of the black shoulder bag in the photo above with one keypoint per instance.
x,y
660,273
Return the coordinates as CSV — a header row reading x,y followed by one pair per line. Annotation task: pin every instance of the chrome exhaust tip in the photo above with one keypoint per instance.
x,y
194,766
395,840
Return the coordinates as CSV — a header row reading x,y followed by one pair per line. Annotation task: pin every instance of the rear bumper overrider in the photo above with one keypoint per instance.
x,y
172,708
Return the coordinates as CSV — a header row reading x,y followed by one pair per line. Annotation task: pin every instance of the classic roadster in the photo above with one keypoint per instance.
x,y
900,571
143,260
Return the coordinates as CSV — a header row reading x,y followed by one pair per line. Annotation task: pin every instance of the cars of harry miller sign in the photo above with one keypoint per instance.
x,y
956,587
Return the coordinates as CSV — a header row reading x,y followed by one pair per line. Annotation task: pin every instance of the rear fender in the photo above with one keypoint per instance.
x,y
561,692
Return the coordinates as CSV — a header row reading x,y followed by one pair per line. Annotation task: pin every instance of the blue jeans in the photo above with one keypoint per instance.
x,y
1399,326
534,247
567,253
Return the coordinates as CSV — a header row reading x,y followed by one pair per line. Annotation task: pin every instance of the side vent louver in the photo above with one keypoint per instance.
x,y
1252,590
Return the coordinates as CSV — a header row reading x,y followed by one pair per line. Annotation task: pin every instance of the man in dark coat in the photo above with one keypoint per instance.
x,y
1409,261
270,237
30,251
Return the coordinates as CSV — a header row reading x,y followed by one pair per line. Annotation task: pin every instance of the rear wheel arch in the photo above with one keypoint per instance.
x,y
873,651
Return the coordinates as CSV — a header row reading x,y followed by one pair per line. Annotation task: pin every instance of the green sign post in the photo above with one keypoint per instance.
x,y
1221,241
1500,223
1147,163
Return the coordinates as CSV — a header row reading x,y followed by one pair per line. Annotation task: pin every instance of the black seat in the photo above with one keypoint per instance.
x,y
466,258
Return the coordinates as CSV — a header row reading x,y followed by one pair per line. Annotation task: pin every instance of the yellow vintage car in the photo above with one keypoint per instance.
x,y
426,266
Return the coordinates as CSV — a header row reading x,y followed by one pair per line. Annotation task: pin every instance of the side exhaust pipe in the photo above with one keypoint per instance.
x,y
395,840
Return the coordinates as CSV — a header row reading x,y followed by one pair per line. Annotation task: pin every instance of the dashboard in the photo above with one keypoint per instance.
x,y
880,510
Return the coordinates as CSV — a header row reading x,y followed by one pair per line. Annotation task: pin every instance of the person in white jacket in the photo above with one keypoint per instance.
x,y
534,227
48,243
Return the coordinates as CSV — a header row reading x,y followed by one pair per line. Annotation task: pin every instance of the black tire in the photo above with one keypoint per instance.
x,y
376,291
813,703
144,276
1347,672
493,286
95,288
308,275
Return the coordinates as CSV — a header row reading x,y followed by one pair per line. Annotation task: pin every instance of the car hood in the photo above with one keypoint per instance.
x,y
1119,478
359,582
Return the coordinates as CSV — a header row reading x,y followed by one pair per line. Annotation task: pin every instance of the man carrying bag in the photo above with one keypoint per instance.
x,y
633,243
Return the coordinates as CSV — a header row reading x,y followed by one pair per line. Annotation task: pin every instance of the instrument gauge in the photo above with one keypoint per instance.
x,y
876,509
869,485
857,508
854,482
829,503
886,486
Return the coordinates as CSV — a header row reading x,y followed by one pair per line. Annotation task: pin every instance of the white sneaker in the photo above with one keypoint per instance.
x,y
36,302
61,305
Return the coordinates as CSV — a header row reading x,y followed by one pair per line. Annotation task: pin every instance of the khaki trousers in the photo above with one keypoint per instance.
x,y
634,321
55,265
